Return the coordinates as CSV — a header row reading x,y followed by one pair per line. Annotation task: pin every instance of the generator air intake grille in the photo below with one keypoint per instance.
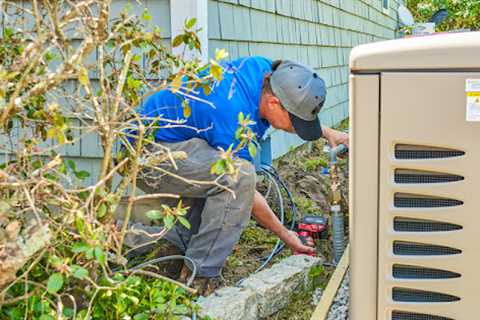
x,y
413,295
417,177
420,225
411,152
415,272
402,315
403,200
404,248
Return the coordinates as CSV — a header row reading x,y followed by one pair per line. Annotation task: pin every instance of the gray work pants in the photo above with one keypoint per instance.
x,y
217,217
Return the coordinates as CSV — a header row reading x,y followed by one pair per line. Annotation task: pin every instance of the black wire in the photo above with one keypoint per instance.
x,y
167,258
279,246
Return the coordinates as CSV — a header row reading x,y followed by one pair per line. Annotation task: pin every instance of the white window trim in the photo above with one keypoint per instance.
x,y
181,10
387,9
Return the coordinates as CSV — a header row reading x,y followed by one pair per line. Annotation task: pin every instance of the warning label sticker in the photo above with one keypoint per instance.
x,y
473,99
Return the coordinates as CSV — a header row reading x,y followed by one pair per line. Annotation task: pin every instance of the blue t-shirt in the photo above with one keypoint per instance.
x,y
217,120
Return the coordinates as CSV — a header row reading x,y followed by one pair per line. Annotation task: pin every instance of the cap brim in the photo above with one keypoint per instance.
x,y
307,130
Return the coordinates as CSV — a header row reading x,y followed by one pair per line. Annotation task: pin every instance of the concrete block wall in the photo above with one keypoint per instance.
x,y
319,33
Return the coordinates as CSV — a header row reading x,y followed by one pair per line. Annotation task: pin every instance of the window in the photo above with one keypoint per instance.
x,y
385,4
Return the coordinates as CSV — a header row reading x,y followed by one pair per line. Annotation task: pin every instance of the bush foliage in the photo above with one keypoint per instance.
x,y
463,14
69,70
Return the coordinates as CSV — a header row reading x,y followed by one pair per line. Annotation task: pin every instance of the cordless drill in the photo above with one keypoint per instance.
x,y
309,228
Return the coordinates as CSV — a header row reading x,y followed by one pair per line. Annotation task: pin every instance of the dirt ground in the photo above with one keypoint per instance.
x,y
302,170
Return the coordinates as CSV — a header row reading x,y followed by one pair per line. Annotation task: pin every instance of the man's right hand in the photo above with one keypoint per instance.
x,y
292,241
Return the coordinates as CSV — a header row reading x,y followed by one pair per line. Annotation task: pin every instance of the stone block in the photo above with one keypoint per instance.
x,y
229,304
275,286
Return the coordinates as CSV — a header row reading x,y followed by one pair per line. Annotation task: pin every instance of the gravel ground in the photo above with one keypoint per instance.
x,y
339,308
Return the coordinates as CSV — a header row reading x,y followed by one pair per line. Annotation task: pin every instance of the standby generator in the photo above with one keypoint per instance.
x,y
415,179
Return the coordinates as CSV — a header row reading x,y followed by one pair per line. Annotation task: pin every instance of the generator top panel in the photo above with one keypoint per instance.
x,y
443,51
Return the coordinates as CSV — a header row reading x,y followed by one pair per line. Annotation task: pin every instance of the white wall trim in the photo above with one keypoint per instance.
x,y
181,10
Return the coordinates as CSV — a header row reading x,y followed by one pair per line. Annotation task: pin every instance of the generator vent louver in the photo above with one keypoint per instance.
x,y
414,295
419,225
416,272
405,200
404,248
412,152
403,315
401,224
404,176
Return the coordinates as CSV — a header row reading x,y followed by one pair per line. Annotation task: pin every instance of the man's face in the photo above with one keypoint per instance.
x,y
277,116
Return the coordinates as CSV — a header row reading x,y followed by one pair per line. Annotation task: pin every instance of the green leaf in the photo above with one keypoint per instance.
x,y
218,167
99,255
168,221
132,83
187,111
55,283
216,72
55,260
82,174
62,168
184,222
241,117
146,15
80,247
84,195
68,312
136,58
154,214
220,54
89,253
102,210
176,83
71,164
206,89
134,281
252,149
83,76
79,272
190,23
141,316
8,32
178,40
238,133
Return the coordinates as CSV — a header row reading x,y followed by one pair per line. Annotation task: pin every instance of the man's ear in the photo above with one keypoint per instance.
x,y
273,101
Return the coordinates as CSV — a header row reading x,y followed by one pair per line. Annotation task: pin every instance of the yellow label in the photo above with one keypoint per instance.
x,y
473,94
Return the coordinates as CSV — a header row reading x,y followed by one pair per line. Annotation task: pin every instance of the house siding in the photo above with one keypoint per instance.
x,y
319,33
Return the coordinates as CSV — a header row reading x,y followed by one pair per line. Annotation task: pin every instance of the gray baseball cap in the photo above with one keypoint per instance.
x,y
302,93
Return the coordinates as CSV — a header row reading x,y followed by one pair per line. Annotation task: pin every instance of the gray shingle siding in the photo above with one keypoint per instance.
x,y
319,33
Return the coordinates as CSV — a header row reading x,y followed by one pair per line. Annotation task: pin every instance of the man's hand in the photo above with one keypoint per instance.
x,y
265,216
335,137
295,244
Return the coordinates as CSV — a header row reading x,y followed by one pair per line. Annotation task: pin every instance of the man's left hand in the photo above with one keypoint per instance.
x,y
335,137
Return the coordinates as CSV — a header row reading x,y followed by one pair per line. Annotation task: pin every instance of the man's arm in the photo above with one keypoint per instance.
x,y
264,216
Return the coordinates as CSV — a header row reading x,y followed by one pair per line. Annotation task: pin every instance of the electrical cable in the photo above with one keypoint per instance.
x,y
167,258
274,179
282,217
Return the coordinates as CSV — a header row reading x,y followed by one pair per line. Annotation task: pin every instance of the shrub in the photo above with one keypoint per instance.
x,y
69,71
463,14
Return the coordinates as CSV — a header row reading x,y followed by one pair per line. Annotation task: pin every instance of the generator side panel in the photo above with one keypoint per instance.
x,y
429,203
363,206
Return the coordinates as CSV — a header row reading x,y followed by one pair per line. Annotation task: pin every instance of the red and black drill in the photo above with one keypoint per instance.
x,y
311,228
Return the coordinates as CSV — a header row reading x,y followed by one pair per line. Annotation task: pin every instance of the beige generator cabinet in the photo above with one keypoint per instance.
x,y
415,179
